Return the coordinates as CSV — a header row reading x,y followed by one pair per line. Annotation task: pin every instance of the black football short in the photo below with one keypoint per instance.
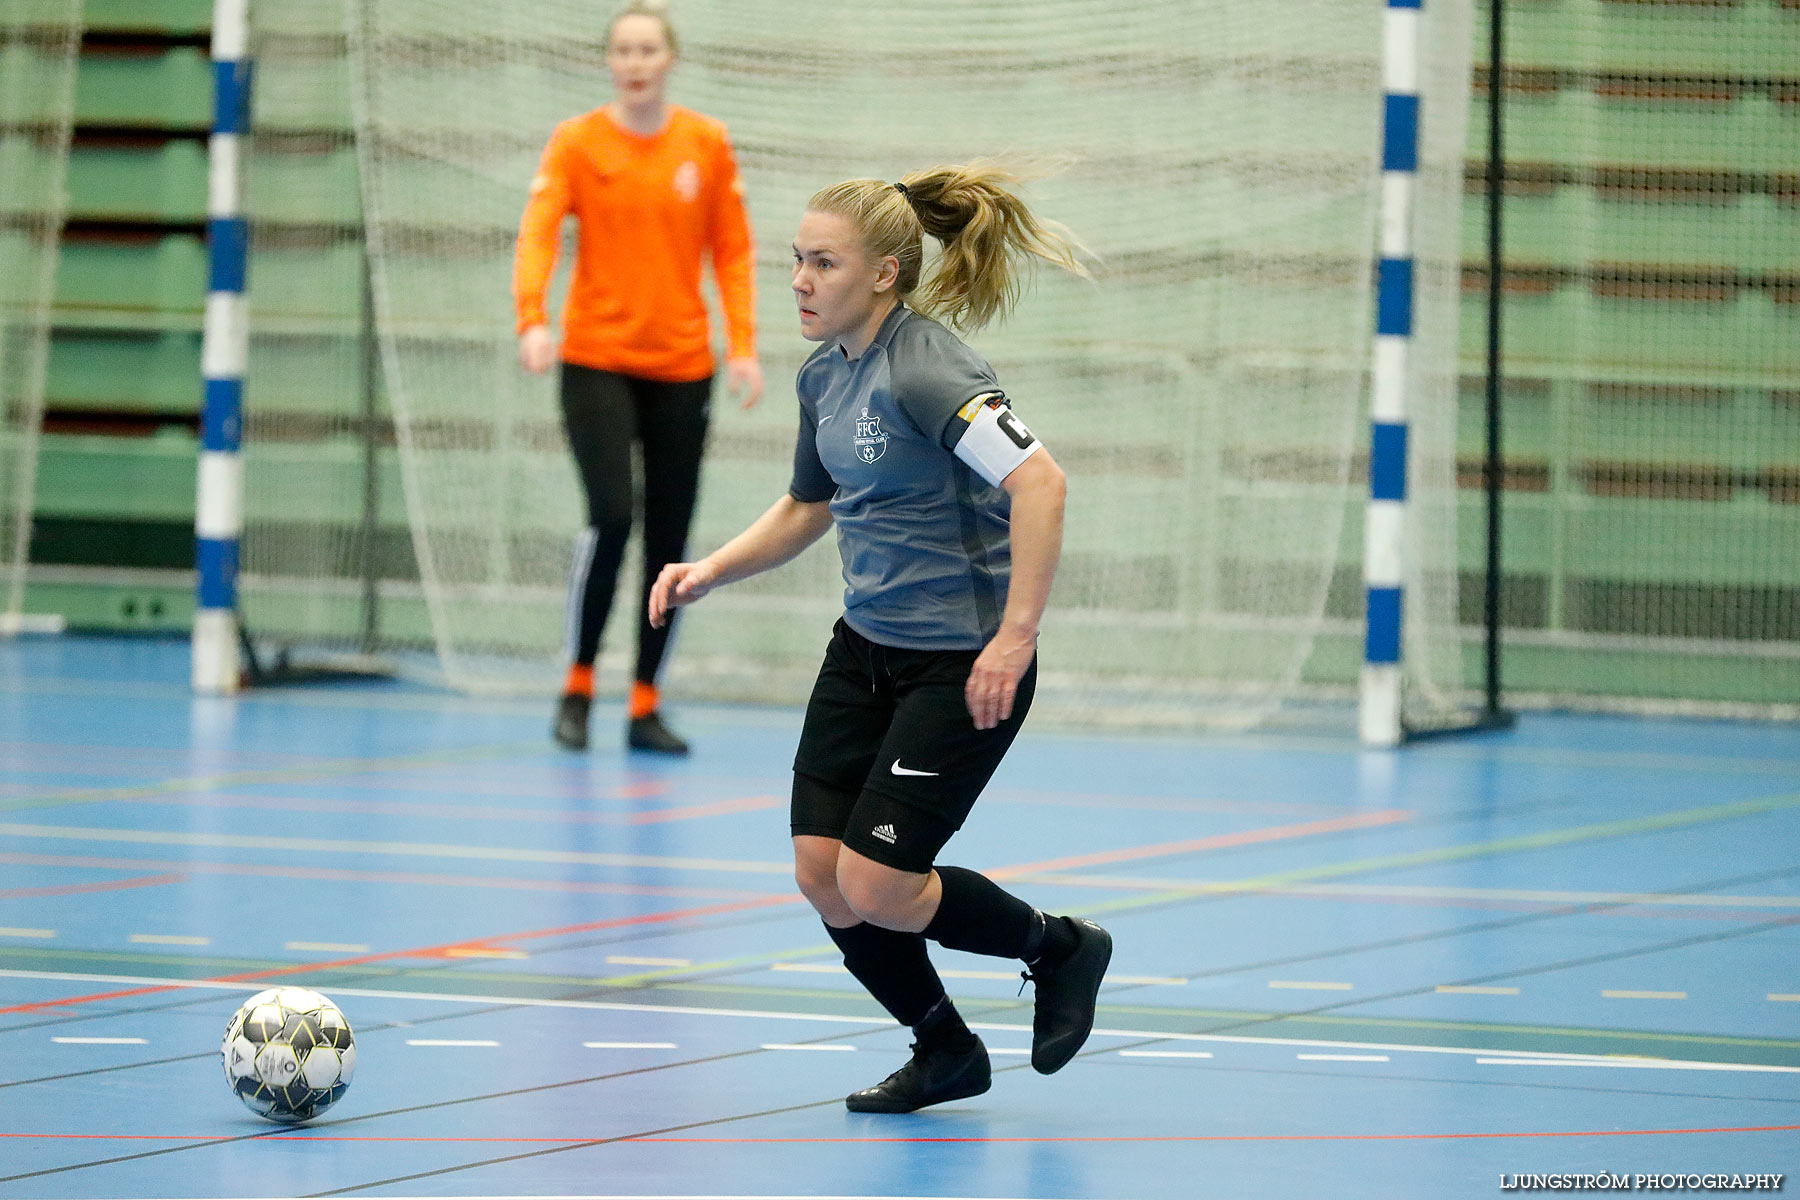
x,y
890,762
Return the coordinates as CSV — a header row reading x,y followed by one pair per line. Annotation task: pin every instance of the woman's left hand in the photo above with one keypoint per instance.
x,y
745,375
994,680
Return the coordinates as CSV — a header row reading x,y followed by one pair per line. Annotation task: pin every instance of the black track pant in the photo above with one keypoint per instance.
x,y
603,414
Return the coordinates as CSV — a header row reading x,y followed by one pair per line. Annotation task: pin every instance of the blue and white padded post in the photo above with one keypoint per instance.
x,y
224,347
1384,523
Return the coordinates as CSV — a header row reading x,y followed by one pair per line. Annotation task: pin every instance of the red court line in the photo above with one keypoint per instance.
x,y
443,951
1259,1137
642,789
855,1141
520,780
347,875
1247,837
78,889
1218,841
688,812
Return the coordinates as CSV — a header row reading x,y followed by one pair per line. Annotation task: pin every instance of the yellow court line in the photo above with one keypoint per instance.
x,y
1548,839
1627,994
483,952
1376,891
324,769
1527,842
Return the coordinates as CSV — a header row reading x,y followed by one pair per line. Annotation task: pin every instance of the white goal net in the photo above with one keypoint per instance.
x,y
1206,394
38,44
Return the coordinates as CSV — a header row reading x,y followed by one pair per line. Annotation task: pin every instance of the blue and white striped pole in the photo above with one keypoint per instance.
x,y
1384,524
224,348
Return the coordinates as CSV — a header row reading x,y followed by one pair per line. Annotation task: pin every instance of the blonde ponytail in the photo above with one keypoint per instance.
x,y
989,235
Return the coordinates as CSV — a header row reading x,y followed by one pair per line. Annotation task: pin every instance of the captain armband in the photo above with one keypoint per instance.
x,y
996,441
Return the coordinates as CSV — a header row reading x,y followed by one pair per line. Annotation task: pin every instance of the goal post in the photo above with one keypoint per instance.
x,y
1411,680
224,345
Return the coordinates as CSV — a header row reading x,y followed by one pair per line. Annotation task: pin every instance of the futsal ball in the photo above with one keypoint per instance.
x,y
289,1054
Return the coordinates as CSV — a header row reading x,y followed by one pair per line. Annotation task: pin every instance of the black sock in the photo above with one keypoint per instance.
x,y
1052,940
978,915
943,1028
894,967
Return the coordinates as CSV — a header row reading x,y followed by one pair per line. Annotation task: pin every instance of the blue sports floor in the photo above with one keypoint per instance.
x,y
1569,949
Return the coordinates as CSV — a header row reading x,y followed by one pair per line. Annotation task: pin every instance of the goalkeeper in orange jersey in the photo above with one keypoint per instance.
x,y
654,189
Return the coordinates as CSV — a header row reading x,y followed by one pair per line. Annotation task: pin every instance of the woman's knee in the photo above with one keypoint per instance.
x,y
879,894
815,871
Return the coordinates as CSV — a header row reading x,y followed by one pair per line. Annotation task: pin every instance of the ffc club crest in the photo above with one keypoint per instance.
x,y
871,443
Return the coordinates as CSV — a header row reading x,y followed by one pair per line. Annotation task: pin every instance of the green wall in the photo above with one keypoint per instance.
x,y
1651,315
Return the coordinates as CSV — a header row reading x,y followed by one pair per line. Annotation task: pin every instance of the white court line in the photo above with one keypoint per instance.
x,y
1787,997
169,939
98,1041
328,947
880,1024
453,1042
945,973
1445,989
1620,994
235,841
29,933
796,1046
629,1045
1623,1061
1310,986
1343,1058
1165,1054
1009,1050
627,960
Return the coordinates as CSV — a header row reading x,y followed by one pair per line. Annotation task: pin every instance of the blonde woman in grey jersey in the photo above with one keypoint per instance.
x,y
949,519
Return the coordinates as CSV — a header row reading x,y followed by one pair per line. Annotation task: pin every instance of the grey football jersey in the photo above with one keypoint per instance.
x,y
923,538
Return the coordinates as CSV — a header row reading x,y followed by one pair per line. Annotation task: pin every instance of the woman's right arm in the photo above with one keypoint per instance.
x,y
777,536
534,257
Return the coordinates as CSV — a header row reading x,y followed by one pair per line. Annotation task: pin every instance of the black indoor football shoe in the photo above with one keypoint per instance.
x,y
649,733
570,729
930,1076
1064,1013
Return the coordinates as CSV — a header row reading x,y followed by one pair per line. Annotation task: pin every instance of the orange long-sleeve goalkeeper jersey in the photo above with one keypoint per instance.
x,y
648,210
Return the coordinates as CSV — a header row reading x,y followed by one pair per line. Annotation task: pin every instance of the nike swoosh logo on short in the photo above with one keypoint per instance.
x,y
822,420
900,770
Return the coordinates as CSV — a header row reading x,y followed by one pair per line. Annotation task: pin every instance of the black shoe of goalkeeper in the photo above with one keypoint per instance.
x,y
649,733
930,1076
570,729
1066,993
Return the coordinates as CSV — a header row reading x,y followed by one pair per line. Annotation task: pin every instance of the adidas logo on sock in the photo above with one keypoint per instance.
x,y
884,832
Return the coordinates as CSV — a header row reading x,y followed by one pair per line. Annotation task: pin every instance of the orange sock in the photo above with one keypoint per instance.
x,y
644,699
580,681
